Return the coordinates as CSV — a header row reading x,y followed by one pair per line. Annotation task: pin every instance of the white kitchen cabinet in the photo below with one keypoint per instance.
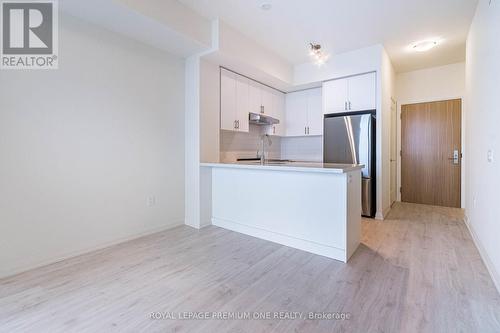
x,y
228,101
296,113
241,95
278,113
314,112
362,92
335,96
304,115
234,102
356,93
267,101
261,98
242,104
255,97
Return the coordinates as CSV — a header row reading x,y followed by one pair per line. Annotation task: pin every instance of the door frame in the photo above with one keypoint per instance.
x,y
462,139
394,136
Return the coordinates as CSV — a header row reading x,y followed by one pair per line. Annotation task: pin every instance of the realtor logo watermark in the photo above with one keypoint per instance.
x,y
29,33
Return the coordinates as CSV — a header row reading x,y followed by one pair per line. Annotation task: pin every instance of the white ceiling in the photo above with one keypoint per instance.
x,y
345,25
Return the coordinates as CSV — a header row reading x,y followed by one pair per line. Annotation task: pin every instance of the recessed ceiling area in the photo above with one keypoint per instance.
x,y
340,26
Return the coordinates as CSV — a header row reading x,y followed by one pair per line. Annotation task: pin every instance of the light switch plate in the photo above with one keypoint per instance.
x,y
151,201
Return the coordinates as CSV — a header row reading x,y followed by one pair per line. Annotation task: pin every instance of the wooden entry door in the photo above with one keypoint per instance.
x,y
431,153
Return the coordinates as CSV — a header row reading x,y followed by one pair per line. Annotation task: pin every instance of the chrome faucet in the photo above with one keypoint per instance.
x,y
263,147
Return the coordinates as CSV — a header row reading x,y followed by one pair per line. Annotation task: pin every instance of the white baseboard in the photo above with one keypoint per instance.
x,y
200,226
382,215
387,210
482,252
298,243
25,268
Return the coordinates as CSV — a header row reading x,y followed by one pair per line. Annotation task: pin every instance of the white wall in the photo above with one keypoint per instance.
x,y
176,16
209,111
82,147
427,85
431,84
482,134
192,137
386,78
248,57
163,24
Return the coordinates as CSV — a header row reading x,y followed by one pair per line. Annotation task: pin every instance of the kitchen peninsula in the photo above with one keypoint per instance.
x,y
315,207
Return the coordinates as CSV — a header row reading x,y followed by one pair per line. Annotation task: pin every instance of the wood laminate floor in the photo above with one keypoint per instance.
x,y
417,271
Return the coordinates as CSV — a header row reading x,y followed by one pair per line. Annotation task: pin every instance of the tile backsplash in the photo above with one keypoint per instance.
x,y
302,148
234,145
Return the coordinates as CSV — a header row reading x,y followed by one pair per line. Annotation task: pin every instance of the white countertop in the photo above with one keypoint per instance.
x,y
290,166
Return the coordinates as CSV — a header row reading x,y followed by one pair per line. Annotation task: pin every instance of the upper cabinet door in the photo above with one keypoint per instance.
x,y
362,92
228,101
255,97
242,103
314,112
267,100
279,113
296,113
335,96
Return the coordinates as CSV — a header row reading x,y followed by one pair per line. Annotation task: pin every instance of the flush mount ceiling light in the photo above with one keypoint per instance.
x,y
266,6
424,45
317,55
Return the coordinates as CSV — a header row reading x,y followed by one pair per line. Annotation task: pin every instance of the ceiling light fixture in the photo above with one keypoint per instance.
x,y
424,45
317,54
266,6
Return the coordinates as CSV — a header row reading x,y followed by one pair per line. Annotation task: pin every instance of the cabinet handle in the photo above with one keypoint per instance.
x,y
262,109
238,124
274,129
349,105
307,130
234,125
345,105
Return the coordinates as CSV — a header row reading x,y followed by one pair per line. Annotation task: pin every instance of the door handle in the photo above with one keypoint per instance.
x,y
455,158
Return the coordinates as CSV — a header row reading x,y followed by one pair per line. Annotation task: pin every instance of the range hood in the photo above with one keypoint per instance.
x,y
262,119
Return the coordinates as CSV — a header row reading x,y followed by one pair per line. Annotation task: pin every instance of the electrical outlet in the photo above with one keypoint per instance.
x,y
490,156
151,201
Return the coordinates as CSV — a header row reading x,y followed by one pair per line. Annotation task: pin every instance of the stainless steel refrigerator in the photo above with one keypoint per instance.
x,y
349,138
